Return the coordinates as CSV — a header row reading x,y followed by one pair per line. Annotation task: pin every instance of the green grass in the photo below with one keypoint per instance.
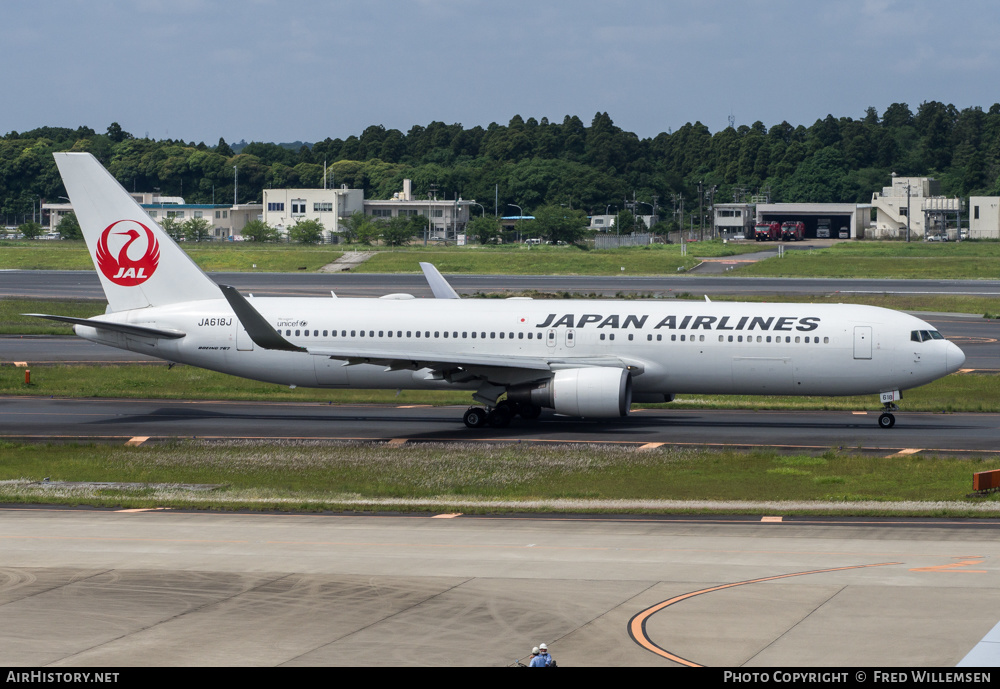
x,y
539,260
954,393
211,257
962,260
338,475
13,323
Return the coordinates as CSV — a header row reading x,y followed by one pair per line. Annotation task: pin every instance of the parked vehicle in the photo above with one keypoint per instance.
x,y
767,231
793,231
823,228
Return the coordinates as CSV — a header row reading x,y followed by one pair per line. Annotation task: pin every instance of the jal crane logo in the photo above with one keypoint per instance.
x,y
125,270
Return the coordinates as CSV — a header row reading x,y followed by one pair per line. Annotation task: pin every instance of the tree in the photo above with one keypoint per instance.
x,y
259,231
484,229
69,227
306,232
30,230
172,227
559,224
196,229
398,231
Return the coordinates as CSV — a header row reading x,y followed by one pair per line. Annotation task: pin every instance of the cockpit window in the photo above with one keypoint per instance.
x,y
924,335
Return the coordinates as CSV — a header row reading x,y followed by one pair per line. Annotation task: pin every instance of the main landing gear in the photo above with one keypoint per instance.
x,y
501,415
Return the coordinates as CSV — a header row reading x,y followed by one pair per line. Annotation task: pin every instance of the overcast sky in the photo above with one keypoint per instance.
x,y
264,70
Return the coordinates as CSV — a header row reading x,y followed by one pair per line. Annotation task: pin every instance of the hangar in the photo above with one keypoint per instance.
x,y
852,216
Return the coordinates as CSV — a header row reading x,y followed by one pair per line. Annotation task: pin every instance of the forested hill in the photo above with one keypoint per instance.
x,y
541,162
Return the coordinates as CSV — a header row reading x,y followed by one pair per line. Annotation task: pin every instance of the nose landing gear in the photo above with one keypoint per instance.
x,y
889,399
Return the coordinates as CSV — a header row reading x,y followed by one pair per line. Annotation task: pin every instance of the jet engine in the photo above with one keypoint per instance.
x,y
598,392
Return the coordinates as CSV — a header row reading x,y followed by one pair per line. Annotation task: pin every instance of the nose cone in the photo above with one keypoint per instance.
x,y
954,357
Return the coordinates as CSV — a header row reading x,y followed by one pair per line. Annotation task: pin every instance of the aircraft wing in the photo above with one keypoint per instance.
x,y
460,364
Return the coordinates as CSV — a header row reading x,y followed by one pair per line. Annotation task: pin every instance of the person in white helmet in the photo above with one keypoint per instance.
x,y
543,659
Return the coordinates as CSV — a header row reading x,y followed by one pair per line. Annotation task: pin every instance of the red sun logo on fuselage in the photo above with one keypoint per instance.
x,y
123,269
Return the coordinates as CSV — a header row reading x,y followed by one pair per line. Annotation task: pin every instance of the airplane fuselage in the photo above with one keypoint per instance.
x,y
676,347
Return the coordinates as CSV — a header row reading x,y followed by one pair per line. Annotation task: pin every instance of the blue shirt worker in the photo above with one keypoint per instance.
x,y
543,659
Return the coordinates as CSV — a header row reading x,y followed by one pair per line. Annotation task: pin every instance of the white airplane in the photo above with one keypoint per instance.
x,y
580,358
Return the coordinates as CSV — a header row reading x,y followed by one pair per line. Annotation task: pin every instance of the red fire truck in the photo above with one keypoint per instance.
x,y
793,231
767,232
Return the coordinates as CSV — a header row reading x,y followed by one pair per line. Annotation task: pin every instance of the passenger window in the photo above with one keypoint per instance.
x,y
427,333
465,334
296,333
371,333
826,340
701,338
659,338
304,334
389,333
418,333
611,336
361,333
493,336
730,338
602,336
673,338
520,336
409,333
324,333
381,333
501,336
630,337
473,336
437,333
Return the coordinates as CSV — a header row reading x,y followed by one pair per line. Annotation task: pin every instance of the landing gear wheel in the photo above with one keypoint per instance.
x,y
499,417
475,417
886,420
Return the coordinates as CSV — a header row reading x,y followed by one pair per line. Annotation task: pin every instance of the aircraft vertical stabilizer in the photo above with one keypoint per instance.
x,y
138,264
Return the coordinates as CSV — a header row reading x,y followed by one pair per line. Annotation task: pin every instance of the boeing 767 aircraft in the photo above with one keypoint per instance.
x,y
580,358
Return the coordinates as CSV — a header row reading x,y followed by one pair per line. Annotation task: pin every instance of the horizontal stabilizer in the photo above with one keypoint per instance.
x,y
260,331
140,330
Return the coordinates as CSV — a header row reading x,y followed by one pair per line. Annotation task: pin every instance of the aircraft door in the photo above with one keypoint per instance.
x,y
570,337
862,342
243,341
550,338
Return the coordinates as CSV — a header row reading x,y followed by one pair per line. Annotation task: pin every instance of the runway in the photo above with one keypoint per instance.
x,y
117,589
84,284
119,421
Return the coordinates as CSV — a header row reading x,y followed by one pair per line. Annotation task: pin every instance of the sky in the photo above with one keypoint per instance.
x,y
305,70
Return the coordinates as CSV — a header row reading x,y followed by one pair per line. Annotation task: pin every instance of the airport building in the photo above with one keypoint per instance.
x,y
224,221
835,220
285,207
984,217
916,204
731,220
448,219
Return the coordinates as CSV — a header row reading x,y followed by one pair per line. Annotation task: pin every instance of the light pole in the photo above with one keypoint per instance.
x,y
518,223
473,203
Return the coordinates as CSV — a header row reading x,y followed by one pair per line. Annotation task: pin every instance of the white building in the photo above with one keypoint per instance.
x,y
447,218
984,217
225,221
731,219
332,207
843,220
917,200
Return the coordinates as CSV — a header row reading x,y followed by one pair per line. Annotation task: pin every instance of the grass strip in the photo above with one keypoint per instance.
x,y
319,476
968,392
221,257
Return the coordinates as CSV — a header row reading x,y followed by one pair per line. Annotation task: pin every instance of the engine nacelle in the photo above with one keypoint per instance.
x,y
598,392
